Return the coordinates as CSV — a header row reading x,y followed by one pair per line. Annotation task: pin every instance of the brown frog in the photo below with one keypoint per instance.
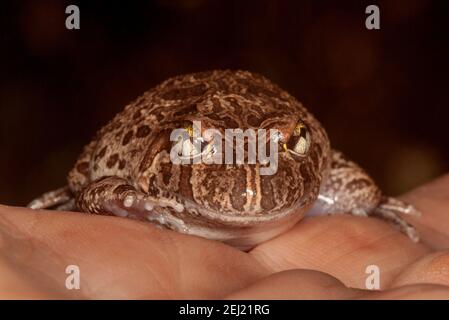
x,y
126,170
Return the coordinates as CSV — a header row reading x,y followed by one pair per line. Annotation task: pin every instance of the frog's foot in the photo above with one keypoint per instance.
x,y
390,210
396,205
60,199
349,189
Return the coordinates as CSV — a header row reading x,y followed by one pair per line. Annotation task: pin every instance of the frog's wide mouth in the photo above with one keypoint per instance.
x,y
223,218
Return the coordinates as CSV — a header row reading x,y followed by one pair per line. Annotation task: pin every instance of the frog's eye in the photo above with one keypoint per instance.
x,y
193,145
299,142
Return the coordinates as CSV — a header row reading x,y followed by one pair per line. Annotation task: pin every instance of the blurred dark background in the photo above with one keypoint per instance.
x,y
381,94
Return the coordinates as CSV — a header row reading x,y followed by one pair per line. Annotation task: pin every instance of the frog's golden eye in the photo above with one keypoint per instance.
x,y
190,130
299,142
192,145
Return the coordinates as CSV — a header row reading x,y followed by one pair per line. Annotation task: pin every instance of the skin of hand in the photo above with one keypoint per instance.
x,y
319,258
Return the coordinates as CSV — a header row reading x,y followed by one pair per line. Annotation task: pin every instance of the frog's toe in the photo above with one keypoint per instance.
x,y
148,205
390,210
412,233
133,205
129,201
396,205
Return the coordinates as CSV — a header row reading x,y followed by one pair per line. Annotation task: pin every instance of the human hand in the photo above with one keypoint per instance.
x,y
319,258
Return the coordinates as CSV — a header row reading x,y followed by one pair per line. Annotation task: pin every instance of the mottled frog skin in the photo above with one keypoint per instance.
x,y
126,169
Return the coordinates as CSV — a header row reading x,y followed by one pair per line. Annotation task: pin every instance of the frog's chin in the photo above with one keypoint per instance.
x,y
244,236
246,239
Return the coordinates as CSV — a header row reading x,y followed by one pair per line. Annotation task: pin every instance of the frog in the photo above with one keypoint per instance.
x,y
126,170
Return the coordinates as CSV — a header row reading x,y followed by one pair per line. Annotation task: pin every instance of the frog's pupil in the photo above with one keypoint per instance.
x,y
303,133
292,142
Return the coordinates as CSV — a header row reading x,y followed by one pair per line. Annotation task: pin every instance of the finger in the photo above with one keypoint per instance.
x,y
430,269
432,199
307,284
295,284
121,258
342,246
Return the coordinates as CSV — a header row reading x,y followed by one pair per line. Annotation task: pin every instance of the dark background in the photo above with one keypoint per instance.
x,y
381,94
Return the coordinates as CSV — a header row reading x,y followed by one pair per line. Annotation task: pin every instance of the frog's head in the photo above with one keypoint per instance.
x,y
209,110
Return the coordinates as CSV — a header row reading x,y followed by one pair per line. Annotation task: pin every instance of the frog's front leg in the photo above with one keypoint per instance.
x,y
347,188
112,195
